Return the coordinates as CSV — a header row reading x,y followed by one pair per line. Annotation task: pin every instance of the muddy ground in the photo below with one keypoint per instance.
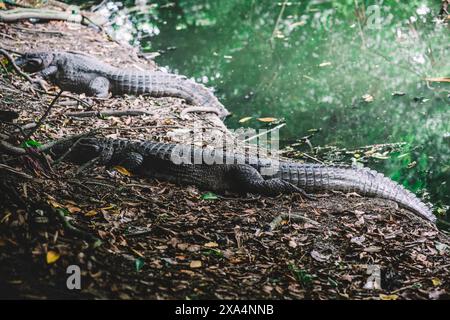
x,y
143,239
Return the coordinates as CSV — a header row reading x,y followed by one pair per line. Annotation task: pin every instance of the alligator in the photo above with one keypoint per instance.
x,y
80,73
219,171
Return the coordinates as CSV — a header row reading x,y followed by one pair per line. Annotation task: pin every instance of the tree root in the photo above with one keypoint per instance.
x,y
107,113
22,151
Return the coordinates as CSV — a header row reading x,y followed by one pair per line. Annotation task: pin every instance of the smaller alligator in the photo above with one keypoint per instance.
x,y
220,171
80,73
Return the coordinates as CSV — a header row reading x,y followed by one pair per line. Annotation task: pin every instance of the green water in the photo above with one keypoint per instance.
x,y
352,69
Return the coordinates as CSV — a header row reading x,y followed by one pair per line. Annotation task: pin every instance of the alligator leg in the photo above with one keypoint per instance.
x,y
130,160
250,180
99,87
47,72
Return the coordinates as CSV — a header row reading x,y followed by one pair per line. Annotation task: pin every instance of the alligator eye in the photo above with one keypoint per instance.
x,y
35,62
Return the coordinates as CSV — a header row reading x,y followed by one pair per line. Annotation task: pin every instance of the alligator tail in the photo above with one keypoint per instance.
x,y
363,181
161,84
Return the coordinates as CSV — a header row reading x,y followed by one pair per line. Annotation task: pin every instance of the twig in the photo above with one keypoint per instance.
x,y
280,15
37,30
16,172
64,95
312,158
21,151
198,110
19,128
294,217
265,132
106,113
87,165
44,116
16,68
29,13
80,233
70,149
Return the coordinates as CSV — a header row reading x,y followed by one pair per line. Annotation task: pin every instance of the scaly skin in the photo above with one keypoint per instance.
x,y
81,73
219,171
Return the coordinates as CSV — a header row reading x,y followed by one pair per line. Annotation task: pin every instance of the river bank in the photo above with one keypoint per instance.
x,y
161,241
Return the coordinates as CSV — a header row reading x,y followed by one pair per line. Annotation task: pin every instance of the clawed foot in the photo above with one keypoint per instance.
x,y
306,195
295,189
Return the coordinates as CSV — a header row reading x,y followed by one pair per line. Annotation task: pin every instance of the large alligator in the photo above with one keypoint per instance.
x,y
80,73
219,171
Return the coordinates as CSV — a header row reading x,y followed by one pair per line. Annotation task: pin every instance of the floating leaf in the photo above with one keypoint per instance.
x,y
245,119
195,264
388,296
368,98
52,257
325,64
209,196
123,171
268,119
139,263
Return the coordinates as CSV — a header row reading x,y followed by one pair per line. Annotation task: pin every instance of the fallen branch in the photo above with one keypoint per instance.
x,y
29,13
16,172
108,113
44,116
17,69
22,151
444,8
74,230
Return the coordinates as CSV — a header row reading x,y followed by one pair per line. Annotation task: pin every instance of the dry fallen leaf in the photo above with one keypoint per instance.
x,y
72,208
388,296
318,256
211,244
195,264
55,204
90,213
123,171
372,249
436,282
52,257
